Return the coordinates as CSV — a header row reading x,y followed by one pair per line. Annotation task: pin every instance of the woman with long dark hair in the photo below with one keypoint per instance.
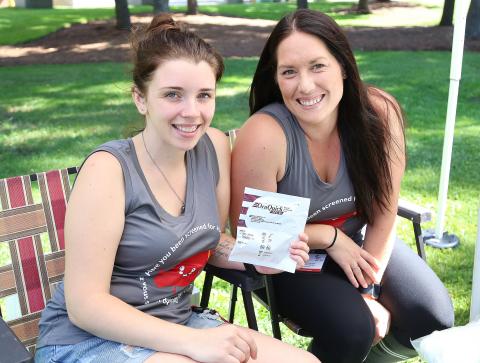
x,y
317,131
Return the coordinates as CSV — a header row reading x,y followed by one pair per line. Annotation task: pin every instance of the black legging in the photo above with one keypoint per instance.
x,y
328,306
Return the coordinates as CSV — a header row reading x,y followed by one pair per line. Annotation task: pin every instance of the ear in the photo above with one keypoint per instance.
x,y
139,100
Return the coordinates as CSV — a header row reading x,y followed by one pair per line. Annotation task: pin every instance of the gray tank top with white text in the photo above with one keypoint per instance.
x,y
331,203
159,255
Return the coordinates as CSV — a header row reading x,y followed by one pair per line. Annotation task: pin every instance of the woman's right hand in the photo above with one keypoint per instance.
x,y
224,344
359,266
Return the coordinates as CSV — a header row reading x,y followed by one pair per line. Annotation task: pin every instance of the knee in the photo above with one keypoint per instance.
x,y
429,320
422,320
349,345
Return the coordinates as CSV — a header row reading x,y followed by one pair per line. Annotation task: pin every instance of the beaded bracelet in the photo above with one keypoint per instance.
x,y
334,238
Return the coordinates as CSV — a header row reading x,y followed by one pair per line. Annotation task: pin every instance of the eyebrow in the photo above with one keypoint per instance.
x,y
313,61
181,89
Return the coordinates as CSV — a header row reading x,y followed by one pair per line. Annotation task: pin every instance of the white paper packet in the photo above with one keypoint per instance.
x,y
267,226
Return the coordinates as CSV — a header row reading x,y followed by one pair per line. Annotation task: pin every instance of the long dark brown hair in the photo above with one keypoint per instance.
x,y
365,137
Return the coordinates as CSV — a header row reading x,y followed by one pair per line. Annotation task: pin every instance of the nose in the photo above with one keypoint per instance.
x,y
306,83
190,108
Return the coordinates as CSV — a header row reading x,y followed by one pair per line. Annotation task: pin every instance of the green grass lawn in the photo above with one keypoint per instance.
x,y
19,25
426,14
53,115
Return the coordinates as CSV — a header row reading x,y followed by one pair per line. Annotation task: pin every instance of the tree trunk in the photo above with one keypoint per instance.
x,y
363,7
472,30
123,14
447,14
160,6
302,4
192,7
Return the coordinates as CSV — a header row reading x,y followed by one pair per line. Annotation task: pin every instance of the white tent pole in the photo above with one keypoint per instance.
x,y
475,305
460,18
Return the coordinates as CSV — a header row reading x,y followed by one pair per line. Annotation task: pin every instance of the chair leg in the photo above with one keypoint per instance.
x,y
207,287
249,310
417,229
233,302
274,317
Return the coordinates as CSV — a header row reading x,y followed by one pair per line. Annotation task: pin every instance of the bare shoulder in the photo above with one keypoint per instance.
x,y
261,149
222,148
101,173
219,139
385,104
101,162
262,131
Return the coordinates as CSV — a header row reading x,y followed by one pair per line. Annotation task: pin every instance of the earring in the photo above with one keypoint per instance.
x,y
344,75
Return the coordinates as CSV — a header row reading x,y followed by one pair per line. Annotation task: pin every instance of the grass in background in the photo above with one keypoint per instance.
x,y
422,15
53,115
19,25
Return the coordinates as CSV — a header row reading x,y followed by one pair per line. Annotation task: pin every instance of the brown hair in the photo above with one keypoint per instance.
x,y
364,134
164,39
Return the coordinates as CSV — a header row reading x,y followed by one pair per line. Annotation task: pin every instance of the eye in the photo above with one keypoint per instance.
x,y
204,96
318,67
288,72
173,95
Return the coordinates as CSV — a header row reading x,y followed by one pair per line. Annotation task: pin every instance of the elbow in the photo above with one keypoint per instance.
x,y
77,312
80,307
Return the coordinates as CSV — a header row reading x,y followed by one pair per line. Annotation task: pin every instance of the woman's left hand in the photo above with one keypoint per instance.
x,y
381,317
298,252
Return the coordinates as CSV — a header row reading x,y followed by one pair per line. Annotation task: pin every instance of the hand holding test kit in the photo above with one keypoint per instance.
x,y
268,224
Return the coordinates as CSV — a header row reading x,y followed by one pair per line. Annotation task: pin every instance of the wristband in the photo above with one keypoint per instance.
x,y
372,290
334,238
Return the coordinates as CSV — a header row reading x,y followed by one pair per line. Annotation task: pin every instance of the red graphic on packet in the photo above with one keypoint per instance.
x,y
184,273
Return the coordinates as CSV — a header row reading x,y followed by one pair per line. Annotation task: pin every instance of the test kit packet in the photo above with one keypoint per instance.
x,y
268,224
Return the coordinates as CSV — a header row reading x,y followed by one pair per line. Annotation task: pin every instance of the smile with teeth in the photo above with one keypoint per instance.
x,y
311,101
186,128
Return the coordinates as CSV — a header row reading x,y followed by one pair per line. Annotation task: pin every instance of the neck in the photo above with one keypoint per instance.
x,y
164,155
323,133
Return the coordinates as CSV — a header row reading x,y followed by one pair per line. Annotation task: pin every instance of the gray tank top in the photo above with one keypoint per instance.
x,y
159,255
331,203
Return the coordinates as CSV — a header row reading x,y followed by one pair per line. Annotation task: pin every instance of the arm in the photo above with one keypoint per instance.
x,y
258,161
379,237
219,257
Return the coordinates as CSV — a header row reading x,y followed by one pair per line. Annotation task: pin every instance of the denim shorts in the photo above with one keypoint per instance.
x,y
98,350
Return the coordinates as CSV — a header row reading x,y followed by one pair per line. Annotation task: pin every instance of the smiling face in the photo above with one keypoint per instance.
x,y
309,78
179,102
